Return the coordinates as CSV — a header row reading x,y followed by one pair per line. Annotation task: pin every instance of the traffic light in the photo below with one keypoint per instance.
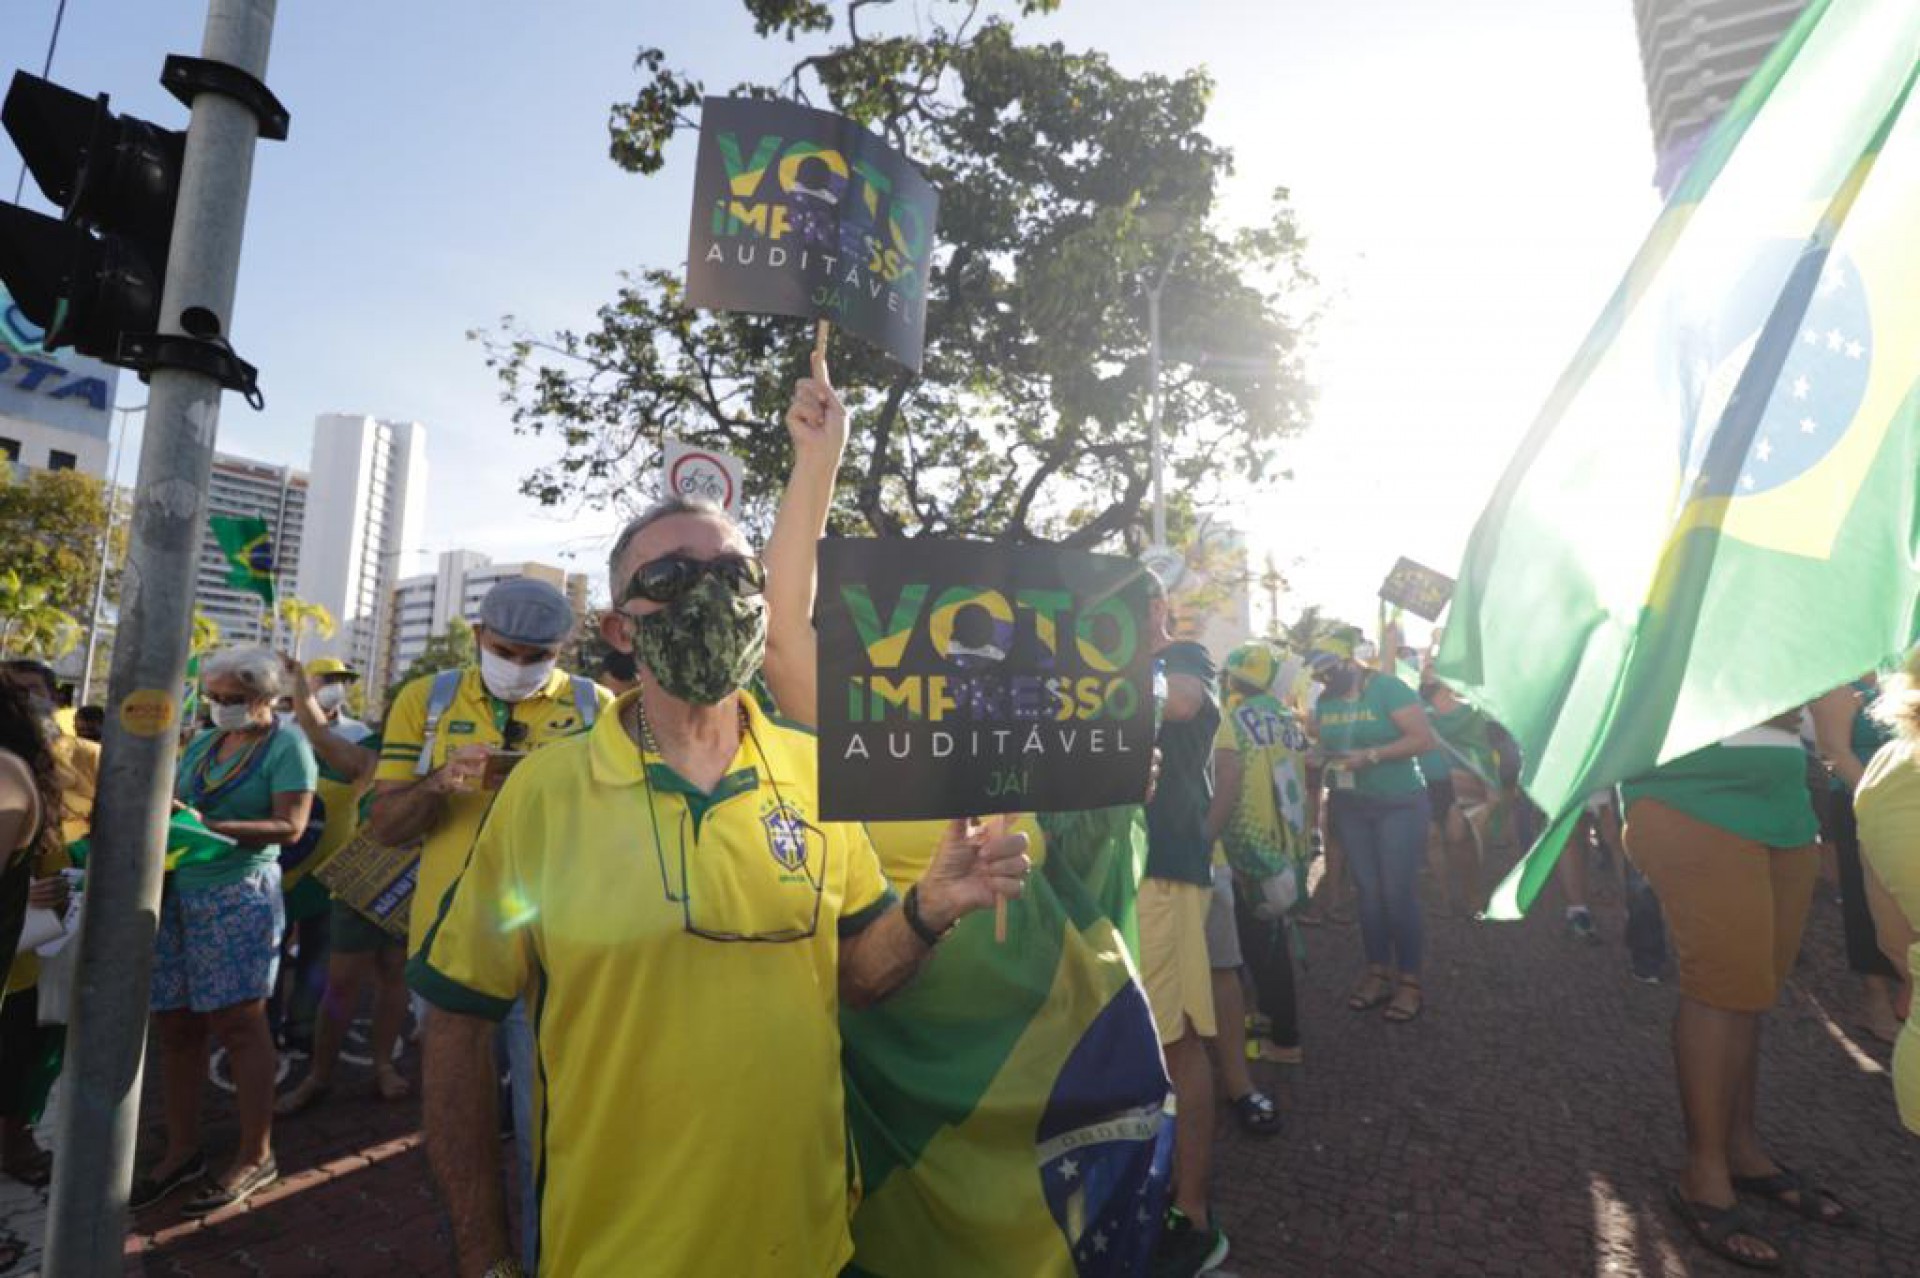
x,y
94,275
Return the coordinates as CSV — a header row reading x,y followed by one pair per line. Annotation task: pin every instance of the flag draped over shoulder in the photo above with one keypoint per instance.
x,y
248,544
1008,1109
1714,517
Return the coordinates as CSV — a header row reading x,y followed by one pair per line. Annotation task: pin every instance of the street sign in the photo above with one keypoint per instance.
x,y
705,473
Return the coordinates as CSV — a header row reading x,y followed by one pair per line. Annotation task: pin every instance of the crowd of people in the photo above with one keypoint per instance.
x,y
595,916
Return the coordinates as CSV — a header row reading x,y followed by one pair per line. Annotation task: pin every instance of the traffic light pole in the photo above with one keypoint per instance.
x,y
107,1038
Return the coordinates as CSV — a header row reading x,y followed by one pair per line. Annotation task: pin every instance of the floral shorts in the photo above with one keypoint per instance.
x,y
219,947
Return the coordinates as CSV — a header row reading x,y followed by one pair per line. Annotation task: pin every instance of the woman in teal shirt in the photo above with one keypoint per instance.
x,y
1372,728
218,948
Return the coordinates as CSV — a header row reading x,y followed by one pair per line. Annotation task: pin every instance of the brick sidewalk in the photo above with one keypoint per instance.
x,y
1526,1125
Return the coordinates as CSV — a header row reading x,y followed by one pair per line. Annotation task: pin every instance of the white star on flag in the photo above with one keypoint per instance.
x,y
1746,481
1855,350
1808,426
1835,339
1800,387
1812,338
1068,1169
1099,1242
1765,451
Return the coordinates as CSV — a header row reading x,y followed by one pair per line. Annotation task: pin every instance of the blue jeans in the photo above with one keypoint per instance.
x,y
516,1033
1385,841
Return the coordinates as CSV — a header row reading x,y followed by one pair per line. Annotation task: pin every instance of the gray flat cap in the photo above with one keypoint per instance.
x,y
527,610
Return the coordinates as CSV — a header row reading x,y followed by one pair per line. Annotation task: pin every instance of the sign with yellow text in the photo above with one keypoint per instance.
x,y
803,212
962,678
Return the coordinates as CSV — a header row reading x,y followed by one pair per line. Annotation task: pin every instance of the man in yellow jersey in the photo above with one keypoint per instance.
x,y
688,930
450,739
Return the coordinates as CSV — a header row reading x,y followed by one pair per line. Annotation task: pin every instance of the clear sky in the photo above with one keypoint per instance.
x,y
1473,175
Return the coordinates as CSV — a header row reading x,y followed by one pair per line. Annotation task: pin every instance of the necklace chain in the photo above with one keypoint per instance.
x,y
650,744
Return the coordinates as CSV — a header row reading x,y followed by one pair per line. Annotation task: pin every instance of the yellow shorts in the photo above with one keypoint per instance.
x,y
1173,957
1735,908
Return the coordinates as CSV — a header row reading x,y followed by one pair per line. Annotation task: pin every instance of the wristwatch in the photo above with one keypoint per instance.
x,y
911,908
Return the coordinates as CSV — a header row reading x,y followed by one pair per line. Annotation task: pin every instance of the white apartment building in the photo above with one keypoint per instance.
x,y
1696,55
277,494
367,511
423,605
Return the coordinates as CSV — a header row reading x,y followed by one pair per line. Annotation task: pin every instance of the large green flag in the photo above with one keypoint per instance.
x,y
248,543
1008,1109
1714,517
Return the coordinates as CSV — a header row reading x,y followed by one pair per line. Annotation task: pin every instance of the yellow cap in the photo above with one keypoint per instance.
x,y
322,666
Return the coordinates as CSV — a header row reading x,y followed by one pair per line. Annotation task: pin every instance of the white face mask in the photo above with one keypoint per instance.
x,y
232,718
511,681
331,696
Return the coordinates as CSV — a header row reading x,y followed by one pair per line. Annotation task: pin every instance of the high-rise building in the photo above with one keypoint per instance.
x,y
423,605
368,510
1696,55
277,494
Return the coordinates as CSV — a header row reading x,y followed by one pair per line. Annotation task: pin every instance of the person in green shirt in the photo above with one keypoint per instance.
x,y
1371,728
217,952
1726,835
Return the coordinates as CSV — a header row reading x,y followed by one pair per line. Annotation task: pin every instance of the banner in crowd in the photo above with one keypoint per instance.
x,y
1008,1109
248,544
1712,520
962,678
1417,588
689,470
803,212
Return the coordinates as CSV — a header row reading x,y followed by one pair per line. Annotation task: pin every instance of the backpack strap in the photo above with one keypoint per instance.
x,y
586,700
446,686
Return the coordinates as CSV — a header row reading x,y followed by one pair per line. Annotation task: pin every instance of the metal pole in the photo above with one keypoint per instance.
x,y
106,546
106,1041
1154,423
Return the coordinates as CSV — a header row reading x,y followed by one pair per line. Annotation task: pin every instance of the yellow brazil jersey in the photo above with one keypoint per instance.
x,y
682,951
473,718
1268,827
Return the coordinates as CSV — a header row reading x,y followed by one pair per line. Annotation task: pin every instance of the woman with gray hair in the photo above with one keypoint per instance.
x,y
218,949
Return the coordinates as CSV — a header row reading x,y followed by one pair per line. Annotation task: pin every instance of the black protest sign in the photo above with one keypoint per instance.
x,y
963,678
803,212
1418,588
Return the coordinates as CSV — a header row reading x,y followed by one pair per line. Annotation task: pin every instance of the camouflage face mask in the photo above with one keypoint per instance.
x,y
704,645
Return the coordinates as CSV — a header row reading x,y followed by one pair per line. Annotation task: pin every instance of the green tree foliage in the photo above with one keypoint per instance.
x,y
1068,191
51,526
451,648
31,625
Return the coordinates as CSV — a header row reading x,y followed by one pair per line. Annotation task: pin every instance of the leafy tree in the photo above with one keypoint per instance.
x,y
51,526
206,634
451,648
1069,192
30,623
299,618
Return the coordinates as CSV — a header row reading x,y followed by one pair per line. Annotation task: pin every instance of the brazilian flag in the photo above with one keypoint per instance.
x,y
1009,1109
1714,518
248,544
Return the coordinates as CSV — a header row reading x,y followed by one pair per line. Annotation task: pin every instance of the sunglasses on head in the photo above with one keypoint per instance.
x,y
670,577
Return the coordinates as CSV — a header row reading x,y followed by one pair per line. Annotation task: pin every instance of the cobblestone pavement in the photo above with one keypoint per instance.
x,y
1525,1125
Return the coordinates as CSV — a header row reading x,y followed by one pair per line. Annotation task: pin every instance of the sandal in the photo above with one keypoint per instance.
x,y
1374,990
152,1187
1257,1114
1397,1012
1715,1227
302,1098
217,1197
1789,1189
390,1085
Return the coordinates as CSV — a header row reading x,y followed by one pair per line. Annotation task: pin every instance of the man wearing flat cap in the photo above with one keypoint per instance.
x,y
451,738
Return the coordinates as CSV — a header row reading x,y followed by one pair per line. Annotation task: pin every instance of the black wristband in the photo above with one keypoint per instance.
x,y
911,908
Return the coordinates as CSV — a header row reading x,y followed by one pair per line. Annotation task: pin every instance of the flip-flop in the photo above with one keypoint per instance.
x,y
1712,1227
1257,1114
1808,1199
1358,1002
